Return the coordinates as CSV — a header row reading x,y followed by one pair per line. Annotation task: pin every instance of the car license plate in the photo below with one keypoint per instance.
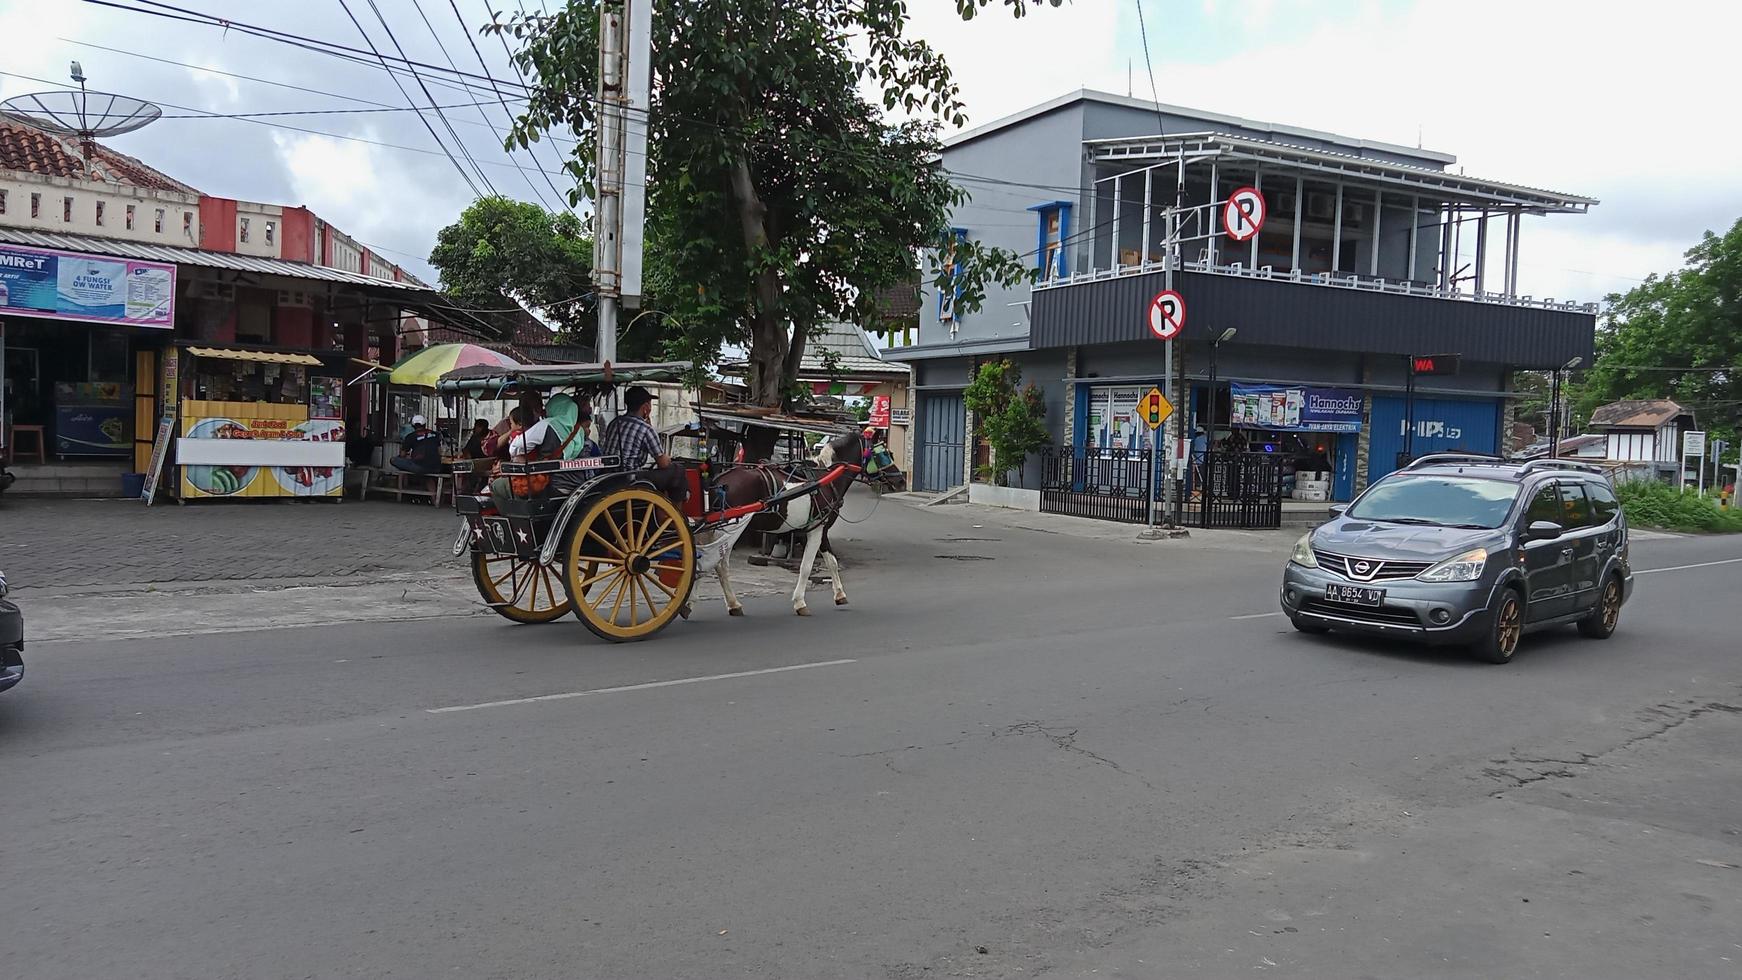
x,y
1354,595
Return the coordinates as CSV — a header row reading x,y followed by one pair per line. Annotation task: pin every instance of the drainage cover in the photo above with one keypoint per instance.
x,y
965,557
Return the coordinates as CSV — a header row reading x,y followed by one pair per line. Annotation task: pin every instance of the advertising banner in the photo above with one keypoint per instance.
x,y
1298,409
879,412
241,454
91,288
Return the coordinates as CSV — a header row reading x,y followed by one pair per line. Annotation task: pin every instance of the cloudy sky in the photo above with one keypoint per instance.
x,y
1616,101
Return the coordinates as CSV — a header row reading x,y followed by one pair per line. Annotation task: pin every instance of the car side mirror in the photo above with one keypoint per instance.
x,y
1542,531
1337,510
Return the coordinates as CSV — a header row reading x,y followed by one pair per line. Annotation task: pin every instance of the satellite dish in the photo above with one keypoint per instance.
x,y
82,114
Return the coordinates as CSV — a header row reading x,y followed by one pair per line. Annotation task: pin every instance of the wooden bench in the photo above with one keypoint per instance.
x,y
401,485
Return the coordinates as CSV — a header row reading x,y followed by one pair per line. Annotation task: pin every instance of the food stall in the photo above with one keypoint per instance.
x,y
259,423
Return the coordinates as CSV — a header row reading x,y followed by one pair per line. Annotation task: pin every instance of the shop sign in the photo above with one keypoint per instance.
x,y
879,412
1300,409
90,288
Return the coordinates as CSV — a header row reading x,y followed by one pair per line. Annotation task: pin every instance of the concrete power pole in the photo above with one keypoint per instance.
x,y
608,208
625,81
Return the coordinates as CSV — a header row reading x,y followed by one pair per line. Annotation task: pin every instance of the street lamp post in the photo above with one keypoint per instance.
x,y
1556,410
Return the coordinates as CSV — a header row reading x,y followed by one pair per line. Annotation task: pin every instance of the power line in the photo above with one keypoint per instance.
x,y
443,48
285,85
426,125
425,89
561,198
1154,92
204,114
503,37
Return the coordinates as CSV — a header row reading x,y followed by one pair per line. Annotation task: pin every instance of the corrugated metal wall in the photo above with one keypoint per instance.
x,y
1285,314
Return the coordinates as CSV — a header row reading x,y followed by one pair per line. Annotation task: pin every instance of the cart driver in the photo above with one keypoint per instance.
x,y
631,437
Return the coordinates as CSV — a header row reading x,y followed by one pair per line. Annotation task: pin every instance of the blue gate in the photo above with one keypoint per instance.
x,y
941,448
1441,425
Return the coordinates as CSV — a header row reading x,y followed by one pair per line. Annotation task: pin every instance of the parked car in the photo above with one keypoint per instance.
x,y
1467,550
11,640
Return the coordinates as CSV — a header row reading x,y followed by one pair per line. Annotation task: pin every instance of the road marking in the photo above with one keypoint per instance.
x,y
636,687
1683,568
1256,616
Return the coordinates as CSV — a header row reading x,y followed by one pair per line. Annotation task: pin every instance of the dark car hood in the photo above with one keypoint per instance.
x,y
1405,542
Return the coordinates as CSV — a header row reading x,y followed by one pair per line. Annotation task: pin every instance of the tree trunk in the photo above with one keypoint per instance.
x,y
769,347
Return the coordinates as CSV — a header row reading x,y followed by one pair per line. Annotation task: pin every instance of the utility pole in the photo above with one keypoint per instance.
x,y
1172,252
608,206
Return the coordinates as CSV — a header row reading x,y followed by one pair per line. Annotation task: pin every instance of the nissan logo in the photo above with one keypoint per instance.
x,y
1361,567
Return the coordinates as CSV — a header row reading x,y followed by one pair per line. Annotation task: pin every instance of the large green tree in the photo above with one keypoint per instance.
x,y
1677,336
501,248
780,196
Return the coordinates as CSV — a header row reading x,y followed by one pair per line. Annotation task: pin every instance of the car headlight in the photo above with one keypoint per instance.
x,y
1303,552
2,585
1466,567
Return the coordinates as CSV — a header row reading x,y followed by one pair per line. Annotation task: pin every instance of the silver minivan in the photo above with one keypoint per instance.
x,y
1458,549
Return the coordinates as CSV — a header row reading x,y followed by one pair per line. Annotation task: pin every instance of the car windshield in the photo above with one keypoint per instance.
x,y
1448,501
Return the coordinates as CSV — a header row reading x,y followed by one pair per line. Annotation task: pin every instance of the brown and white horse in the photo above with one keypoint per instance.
x,y
810,515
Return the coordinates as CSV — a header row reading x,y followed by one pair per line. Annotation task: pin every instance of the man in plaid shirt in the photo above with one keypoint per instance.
x,y
631,437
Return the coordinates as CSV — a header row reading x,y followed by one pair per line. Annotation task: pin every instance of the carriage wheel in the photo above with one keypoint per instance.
x,y
629,565
520,589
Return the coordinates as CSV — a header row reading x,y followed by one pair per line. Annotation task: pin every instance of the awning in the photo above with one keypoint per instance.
x,y
259,356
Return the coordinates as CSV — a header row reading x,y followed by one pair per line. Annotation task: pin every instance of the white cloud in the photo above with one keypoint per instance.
x,y
371,193
1005,63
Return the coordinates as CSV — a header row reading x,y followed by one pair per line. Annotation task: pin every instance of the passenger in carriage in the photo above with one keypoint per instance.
x,y
631,437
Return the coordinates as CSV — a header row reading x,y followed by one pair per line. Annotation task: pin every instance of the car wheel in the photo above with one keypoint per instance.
x,y
1306,627
1606,614
1505,628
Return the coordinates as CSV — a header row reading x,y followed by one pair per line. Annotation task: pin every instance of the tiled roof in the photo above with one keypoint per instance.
x,y
31,150
856,358
1636,413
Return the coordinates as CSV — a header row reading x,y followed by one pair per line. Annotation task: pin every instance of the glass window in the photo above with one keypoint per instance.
x,y
269,230
1545,506
99,212
66,209
244,235
129,217
1604,506
36,205
2,202
1449,501
158,227
1575,506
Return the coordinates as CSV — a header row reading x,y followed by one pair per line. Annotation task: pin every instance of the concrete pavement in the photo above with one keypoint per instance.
x,y
1083,755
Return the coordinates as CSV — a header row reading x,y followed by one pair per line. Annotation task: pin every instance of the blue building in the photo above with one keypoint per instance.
x,y
1368,253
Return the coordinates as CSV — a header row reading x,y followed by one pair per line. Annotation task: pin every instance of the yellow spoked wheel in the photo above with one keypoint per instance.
x,y
629,565
520,589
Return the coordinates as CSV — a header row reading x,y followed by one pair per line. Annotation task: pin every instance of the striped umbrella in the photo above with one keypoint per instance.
x,y
423,368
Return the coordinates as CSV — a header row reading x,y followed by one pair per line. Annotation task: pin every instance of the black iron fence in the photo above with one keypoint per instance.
x,y
1228,490
1107,484
1242,490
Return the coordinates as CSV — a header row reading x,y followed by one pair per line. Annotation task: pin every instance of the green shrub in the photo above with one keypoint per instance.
x,y
1652,504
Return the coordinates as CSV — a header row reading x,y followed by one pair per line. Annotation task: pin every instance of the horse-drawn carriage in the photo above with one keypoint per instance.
x,y
594,536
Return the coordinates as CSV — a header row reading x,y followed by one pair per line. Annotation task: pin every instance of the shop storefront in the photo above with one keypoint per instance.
x,y
71,325
1312,431
259,423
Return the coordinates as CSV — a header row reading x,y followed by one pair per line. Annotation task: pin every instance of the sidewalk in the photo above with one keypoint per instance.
x,y
89,569
48,543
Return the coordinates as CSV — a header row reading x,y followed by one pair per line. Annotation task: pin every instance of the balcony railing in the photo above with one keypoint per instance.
x,y
1338,280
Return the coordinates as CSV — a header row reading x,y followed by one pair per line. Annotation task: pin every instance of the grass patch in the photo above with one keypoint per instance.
x,y
1651,504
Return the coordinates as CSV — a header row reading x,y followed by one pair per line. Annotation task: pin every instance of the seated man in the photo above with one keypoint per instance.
x,y
631,437
421,452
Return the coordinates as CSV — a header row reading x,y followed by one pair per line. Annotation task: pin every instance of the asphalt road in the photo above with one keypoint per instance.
x,y
1040,755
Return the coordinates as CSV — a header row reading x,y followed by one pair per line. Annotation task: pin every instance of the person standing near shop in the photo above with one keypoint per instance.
x,y
421,452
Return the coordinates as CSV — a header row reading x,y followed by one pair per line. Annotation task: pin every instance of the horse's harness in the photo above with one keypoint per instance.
x,y
776,477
